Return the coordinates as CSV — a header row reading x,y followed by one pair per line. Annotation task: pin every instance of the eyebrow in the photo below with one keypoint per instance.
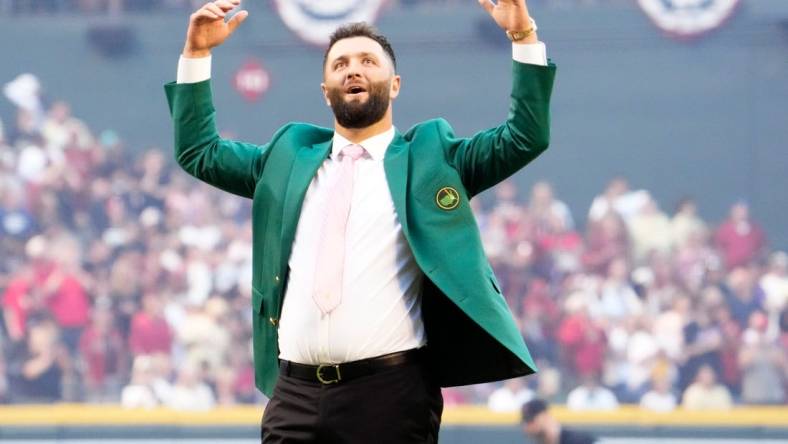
x,y
358,54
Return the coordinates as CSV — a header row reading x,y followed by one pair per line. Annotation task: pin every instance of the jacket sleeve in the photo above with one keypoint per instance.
x,y
229,165
495,154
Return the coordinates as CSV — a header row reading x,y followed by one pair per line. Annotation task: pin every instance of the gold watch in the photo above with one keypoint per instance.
x,y
517,36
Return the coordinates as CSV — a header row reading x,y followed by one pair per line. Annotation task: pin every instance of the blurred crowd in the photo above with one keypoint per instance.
x,y
147,6
122,280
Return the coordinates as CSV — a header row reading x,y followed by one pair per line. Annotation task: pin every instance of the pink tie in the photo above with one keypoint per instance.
x,y
331,252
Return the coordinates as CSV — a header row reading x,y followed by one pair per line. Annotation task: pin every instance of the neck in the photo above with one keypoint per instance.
x,y
554,433
358,135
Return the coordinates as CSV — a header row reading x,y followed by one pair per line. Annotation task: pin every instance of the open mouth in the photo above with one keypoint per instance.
x,y
355,90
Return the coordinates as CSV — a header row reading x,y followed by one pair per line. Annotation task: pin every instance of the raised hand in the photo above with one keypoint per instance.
x,y
208,29
510,15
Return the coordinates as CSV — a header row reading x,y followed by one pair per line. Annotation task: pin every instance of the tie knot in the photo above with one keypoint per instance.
x,y
353,151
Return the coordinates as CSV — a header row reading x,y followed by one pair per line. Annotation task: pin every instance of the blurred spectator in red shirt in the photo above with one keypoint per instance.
x,y
104,355
607,239
150,332
583,343
739,238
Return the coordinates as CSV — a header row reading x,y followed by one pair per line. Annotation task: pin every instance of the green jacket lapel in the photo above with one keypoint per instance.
x,y
395,163
307,161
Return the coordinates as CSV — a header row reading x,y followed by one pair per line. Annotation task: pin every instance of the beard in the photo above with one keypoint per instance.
x,y
355,114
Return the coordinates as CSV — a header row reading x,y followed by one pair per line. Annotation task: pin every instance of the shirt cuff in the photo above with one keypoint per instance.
x,y
193,70
531,53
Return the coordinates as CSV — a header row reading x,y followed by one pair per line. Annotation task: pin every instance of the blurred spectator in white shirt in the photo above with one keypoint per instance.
x,y
619,198
617,297
705,393
544,206
763,363
659,399
510,397
62,130
190,392
775,287
650,231
591,396
686,223
138,394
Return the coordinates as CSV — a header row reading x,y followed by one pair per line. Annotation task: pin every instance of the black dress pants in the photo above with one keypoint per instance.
x,y
397,405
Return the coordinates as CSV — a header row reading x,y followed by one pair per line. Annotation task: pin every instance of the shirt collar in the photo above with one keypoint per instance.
x,y
376,145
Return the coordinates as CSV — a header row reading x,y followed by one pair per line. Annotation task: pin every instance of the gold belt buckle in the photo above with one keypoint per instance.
x,y
328,381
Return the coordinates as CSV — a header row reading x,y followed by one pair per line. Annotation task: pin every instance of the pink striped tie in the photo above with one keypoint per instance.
x,y
331,252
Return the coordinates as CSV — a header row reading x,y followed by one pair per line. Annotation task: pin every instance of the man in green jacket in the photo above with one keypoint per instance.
x,y
371,289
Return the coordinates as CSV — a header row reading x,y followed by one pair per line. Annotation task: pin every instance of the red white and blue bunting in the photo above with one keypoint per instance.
x,y
688,18
315,20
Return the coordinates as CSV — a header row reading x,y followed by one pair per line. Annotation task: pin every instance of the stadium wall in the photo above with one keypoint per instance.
x,y
461,425
705,118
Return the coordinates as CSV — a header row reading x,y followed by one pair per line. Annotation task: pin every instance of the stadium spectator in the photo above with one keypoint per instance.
x,y
739,239
742,294
104,357
582,342
4,389
606,240
190,391
774,284
686,224
705,393
650,232
763,363
38,366
150,332
660,398
618,199
702,344
139,394
590,395
547,208
618,300
510,397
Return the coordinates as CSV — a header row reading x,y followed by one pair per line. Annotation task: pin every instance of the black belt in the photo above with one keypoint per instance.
x,y
333,373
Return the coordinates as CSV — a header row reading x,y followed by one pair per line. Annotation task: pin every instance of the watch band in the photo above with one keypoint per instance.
x,y
516,36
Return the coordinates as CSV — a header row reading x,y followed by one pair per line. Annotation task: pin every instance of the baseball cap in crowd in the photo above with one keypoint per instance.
x,y
532,409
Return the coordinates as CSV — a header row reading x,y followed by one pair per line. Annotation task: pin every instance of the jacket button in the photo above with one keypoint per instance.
x,y
273,321
276,278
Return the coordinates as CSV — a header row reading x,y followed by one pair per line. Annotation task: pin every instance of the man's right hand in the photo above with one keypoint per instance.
x,y
207,28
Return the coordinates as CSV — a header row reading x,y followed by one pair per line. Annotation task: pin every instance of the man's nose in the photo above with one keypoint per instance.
x,y
353,73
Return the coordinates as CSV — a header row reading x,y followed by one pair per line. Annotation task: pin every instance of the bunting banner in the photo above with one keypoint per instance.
x,y
315,20
688,18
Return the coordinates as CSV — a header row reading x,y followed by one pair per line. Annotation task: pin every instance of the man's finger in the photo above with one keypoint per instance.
x,y
226,5
204,14
215,9
488,5
237,20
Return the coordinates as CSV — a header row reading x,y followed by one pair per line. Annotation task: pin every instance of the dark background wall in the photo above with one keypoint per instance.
x,y
706,118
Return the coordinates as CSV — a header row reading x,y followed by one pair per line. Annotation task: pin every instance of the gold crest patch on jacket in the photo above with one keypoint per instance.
x,y
447,198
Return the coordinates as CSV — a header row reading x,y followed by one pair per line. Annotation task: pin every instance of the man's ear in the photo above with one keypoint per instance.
x,y
396,83
325,93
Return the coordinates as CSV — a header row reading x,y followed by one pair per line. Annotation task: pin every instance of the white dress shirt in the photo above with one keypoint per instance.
x,y
380,310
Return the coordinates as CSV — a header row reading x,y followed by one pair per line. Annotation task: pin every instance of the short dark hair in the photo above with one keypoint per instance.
x,y
531,409
360,29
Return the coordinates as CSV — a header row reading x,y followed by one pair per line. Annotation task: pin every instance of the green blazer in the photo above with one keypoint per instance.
x,y
432,175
